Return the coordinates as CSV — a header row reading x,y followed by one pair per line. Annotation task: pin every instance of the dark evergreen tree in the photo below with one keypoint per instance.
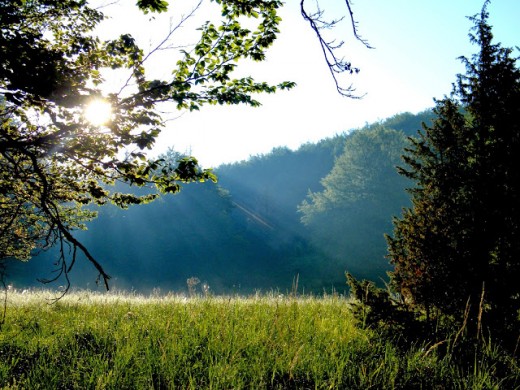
x,y
457,248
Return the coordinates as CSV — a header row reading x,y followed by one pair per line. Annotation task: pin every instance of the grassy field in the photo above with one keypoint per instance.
x,y
114,341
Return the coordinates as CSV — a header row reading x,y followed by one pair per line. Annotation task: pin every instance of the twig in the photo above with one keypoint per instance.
x,y
335,64
464,323
434,346
480,309
161,45
2,280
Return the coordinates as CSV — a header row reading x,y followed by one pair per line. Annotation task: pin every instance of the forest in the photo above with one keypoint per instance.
x,y
313,214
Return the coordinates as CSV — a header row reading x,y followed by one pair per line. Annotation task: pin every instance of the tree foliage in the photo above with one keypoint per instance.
x,y
363,172
457,248
53,162
349,217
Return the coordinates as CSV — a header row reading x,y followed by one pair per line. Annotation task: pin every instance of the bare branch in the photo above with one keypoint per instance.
x,y
354,26
335,64
52,212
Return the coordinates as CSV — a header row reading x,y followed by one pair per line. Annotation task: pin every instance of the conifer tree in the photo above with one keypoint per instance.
x,y
457,248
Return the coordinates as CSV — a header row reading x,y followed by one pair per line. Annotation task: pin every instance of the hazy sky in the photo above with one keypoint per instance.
x,y
415,59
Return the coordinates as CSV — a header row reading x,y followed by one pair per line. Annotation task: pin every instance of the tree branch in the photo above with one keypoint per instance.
x,y
335,64
46,206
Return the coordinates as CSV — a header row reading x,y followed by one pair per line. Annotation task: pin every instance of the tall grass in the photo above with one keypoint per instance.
x,y
116,341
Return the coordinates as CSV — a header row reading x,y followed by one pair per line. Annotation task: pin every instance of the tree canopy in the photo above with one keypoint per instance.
x,y
349,216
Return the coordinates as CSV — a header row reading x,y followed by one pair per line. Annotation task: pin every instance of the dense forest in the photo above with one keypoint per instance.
x,y
310,214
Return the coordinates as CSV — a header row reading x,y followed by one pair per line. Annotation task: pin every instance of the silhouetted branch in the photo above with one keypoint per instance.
x,y
335,64
53,214
2,282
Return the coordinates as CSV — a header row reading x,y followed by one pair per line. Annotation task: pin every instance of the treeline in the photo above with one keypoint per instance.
x,y
312,213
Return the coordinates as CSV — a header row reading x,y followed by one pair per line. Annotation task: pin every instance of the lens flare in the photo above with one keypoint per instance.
x,y
98,112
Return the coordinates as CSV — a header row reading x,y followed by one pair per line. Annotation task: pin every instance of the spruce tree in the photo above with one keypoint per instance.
x,y
457,248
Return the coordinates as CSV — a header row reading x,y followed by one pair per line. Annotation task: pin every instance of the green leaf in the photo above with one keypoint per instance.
x,y
152,6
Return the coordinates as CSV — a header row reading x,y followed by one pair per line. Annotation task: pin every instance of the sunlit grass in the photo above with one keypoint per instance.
x,y
118,340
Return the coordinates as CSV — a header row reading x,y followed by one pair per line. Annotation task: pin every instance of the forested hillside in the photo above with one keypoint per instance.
x,y
314,212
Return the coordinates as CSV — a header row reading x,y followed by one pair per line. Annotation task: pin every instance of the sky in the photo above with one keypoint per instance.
x,y
414,60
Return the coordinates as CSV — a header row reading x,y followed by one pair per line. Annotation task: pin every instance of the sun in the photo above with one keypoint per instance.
x,y
98,112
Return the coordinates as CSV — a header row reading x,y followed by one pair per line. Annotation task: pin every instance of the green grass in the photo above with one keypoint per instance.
x,y
114,341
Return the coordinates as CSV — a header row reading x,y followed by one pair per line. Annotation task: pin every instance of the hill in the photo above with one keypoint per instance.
x,y
246,232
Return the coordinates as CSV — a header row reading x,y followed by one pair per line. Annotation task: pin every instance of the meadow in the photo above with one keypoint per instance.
x,y
89,340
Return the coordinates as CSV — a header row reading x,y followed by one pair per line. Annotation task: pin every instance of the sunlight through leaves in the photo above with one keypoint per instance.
x,y
98,112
